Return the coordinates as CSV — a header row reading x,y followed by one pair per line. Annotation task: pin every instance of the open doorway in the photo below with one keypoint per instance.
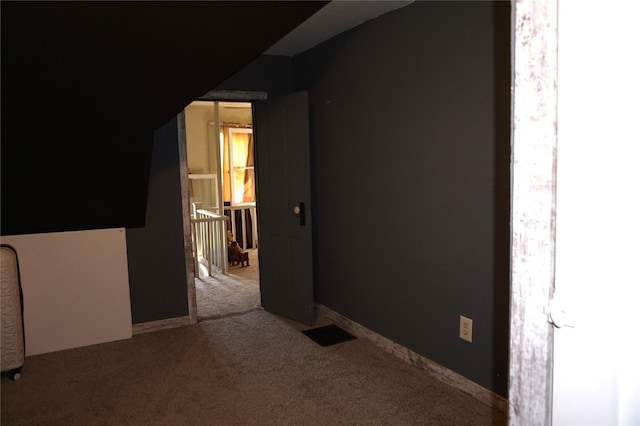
x,y
283,150
219,158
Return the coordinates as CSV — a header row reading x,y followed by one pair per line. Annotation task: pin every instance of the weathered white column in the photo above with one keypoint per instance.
x,y
533,209
186,221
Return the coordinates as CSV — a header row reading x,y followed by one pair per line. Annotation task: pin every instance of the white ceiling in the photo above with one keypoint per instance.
x,y
334,18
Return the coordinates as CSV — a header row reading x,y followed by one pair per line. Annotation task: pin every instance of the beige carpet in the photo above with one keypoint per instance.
x,y
250,368
236,292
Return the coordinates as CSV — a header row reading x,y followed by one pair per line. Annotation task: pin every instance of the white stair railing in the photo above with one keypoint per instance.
x,y
209,242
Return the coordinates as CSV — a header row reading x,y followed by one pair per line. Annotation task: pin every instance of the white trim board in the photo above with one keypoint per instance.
x,y
439,372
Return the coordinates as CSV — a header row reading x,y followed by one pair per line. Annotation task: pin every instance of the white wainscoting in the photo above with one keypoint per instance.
x,y
75,286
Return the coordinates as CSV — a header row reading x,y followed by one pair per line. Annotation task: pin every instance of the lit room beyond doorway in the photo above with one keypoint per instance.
x,y
222,200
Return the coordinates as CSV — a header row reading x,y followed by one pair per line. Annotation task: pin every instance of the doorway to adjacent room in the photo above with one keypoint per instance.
x,y
283,196
222,207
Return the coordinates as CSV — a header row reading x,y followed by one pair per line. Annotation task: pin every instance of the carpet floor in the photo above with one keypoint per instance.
x,y
243,367
233,293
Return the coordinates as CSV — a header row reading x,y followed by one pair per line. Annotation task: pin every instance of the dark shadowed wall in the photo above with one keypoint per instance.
x,y
412,109
266,73
157,269
84,87
409,118
85,84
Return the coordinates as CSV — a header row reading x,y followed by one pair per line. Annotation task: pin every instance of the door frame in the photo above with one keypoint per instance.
x,y
211,96
534,41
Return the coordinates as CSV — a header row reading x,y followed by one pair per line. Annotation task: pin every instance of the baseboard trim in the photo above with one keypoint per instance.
x,y
146,327
439,372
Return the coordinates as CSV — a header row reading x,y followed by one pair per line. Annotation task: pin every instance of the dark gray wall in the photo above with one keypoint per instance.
x,y
409,119
266,73
157,270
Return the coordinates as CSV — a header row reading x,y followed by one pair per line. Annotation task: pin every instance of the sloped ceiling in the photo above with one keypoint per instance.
x,y
334,18
85,84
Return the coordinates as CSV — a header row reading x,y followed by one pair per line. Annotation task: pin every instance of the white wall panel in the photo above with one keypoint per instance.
x,y
76,288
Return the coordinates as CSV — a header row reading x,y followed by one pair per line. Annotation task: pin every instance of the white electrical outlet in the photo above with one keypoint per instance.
x,y
466,328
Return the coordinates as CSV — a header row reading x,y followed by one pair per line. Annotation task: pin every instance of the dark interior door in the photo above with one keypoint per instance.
x,y
284,206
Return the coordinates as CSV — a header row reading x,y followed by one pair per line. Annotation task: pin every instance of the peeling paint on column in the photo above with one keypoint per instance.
x,y
533,209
